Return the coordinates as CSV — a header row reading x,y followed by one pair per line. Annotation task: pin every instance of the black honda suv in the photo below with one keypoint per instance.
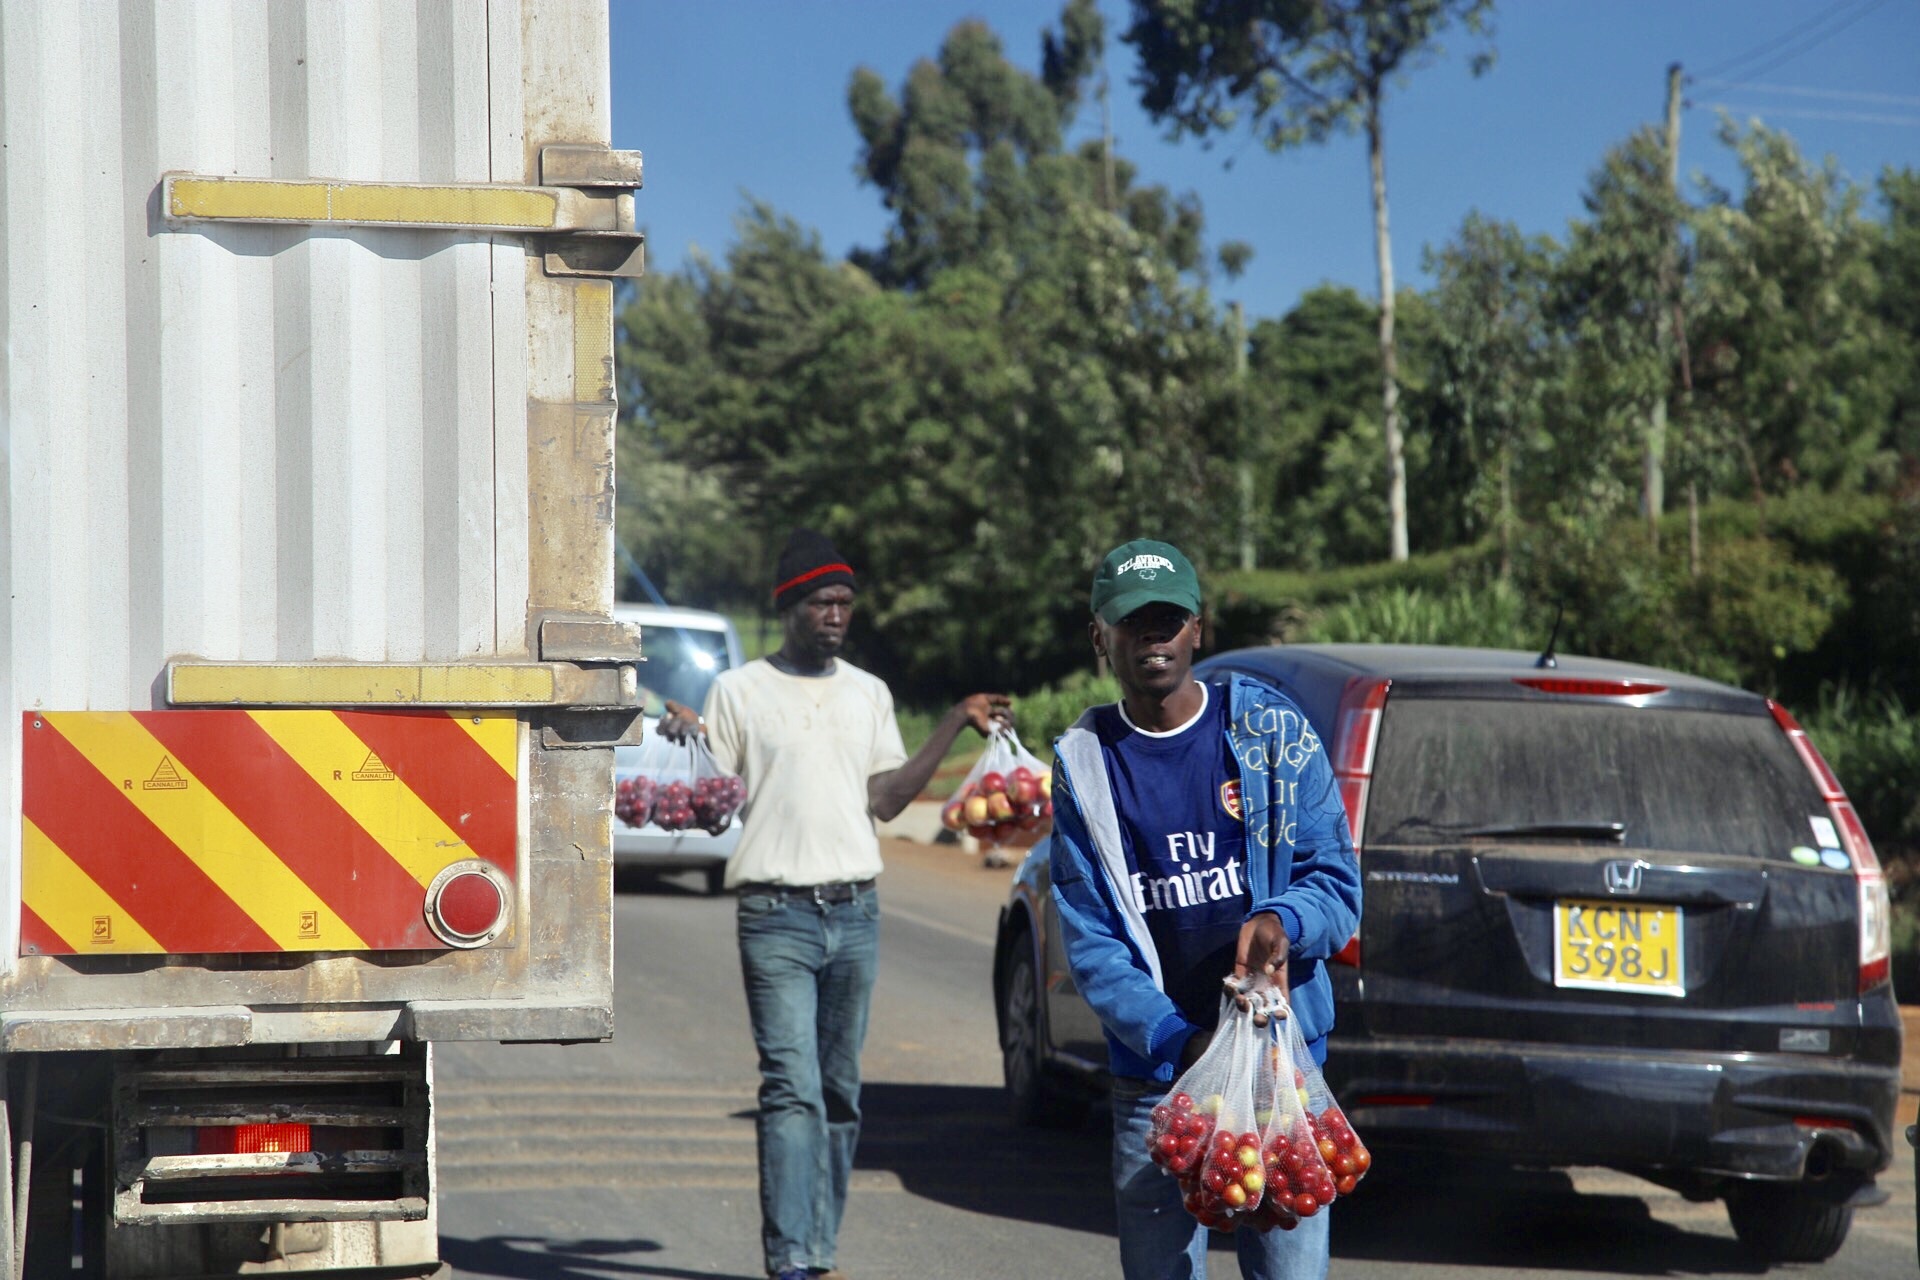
x,y
1613,916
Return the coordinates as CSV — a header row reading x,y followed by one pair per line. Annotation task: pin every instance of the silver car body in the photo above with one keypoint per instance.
x,y
686,649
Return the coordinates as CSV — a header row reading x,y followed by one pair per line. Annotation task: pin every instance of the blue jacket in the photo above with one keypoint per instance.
x,y
1300,865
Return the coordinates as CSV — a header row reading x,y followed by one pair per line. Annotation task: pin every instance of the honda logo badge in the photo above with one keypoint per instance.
x,y
1624,877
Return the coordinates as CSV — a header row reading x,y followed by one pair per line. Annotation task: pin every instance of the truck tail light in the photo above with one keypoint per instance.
x,y
251,1139
1361,706
1876,905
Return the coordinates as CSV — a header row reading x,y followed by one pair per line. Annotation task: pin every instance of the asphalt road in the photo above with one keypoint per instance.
x,y
635,1159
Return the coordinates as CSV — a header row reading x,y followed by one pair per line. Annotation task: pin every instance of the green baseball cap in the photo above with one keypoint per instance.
x,y
1143,572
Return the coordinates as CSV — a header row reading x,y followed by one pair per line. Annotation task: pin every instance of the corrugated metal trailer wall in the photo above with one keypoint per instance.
x,y
280,443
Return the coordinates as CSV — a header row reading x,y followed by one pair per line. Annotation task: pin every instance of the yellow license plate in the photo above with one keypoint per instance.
x,y
1618,946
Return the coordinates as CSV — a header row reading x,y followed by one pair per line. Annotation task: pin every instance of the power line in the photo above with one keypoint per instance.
x,y
1768,46
1804,91
1816,39
1807,113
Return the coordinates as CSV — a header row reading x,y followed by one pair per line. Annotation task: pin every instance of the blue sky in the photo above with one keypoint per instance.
x,y
732,97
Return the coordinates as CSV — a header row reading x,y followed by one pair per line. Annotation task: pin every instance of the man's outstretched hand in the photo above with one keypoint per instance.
x,y
1262,949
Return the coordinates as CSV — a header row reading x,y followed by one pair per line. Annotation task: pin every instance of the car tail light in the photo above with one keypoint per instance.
x,y
251,1139
1876,906
1361,706
1586,688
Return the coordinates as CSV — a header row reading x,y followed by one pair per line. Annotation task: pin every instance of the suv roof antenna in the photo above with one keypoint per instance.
x,y
1546,658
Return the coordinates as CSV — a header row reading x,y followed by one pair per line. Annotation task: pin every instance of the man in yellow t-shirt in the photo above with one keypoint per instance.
x,y
815,740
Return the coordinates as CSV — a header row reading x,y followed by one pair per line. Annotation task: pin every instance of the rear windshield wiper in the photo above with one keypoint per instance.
x,y
1614,831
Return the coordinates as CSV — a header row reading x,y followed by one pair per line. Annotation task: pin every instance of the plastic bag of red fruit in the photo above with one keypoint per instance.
x,y
1208,1133
1346,1157
1006,794
1311,1154
677,786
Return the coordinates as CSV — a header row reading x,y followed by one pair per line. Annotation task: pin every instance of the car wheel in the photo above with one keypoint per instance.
x,y
1782,1222
1032,1095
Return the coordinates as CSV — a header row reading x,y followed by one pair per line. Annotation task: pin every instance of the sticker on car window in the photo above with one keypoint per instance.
x,y
1835,859
1824,834
1804,856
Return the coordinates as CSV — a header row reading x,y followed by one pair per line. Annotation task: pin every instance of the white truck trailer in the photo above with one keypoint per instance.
x,y
310,680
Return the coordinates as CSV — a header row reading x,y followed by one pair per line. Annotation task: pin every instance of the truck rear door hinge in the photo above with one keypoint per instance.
x,y
580,219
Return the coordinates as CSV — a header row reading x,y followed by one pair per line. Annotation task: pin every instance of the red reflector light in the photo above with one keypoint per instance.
x,y
1349,954
1591,688
469,905
251,1139
1822,1122
1394,1100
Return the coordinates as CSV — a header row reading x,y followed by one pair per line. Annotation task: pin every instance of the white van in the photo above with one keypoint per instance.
x,y
686,649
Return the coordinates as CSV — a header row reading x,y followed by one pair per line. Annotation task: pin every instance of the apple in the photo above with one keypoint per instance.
x,y
999,807
977,810
953,815
991,782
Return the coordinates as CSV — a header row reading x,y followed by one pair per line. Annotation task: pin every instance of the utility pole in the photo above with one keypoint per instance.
x,y
1238,316
1653,497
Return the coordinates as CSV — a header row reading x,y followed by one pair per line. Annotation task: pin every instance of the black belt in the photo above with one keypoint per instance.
x,y
820,894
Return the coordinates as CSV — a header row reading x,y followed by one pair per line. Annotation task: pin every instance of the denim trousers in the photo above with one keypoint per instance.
x,y
1159,1240
809,970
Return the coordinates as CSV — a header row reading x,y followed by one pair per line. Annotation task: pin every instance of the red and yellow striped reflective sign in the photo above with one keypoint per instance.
x,y
180,832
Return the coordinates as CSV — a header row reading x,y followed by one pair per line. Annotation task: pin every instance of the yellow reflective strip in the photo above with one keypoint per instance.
x,y
593,341
247,201
459,684
385,807
442,206
498,736
256,200
201,825
73,906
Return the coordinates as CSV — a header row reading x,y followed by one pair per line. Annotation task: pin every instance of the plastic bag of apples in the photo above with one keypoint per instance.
x,y
1287,1156
1209,1131
1007,793
1310,1152
677,786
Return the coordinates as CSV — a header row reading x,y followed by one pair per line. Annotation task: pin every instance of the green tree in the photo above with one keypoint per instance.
x,y
1313,396
1304,72
1608,292
1494,358
1897,264
1028,370
1792,363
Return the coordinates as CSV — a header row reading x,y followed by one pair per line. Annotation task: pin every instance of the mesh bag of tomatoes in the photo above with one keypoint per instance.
x,y
1007,792
677,786
1207,1133
1346,1157
1311,1154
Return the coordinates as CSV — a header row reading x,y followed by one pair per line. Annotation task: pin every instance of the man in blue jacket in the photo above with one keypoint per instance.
x,y
1198,834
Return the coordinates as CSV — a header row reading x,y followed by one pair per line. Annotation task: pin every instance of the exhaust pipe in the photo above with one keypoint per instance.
x,y
1822,1159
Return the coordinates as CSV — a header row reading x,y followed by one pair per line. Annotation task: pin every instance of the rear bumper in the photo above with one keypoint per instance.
x,y
1718,1116
659,850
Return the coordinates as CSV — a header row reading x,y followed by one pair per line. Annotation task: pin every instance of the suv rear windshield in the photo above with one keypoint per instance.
x,y
681,663
1684,781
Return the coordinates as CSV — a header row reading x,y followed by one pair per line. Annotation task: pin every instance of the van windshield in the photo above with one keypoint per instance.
x,y
1631,777
681,664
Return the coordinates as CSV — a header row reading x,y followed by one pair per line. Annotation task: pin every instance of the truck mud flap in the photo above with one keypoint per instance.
x,y
311,1139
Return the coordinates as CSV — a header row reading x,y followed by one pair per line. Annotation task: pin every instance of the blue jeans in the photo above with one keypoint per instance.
x,y
1159,1240
809,971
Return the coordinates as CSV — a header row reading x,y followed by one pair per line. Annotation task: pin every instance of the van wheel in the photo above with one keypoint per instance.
x,y
1781,1222
1034,1098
